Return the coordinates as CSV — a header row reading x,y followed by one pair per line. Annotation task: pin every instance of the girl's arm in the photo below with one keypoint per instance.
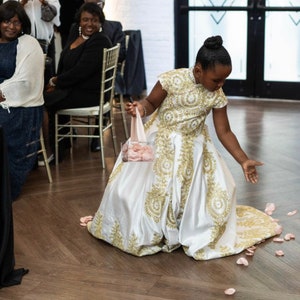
x,y
231,144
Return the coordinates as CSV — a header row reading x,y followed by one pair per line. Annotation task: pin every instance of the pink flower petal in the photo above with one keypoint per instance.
x,y
229,291
279,253
291,213
252,248
275,220
242,261
289,236
85,220
270,207
278,229
278,240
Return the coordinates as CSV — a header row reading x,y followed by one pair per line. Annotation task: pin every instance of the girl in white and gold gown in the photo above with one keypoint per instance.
x,y
186,196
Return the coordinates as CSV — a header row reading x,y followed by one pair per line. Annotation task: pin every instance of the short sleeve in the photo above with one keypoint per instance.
x,y
174,81
221,100
164,80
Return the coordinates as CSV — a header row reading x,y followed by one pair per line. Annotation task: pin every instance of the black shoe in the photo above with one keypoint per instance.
x,y
95,146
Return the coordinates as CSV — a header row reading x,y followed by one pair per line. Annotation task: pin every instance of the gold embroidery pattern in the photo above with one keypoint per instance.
x,y
155,202
116,236
135,248
115,172
133,245
96,225
199,255
157,238
171,221
186,170
163,167
254,224
218,202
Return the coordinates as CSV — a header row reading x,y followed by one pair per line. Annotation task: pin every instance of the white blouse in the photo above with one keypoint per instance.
x,y
25,87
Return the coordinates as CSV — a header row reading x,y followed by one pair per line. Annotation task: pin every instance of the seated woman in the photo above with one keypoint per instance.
x,y
21,91
77,83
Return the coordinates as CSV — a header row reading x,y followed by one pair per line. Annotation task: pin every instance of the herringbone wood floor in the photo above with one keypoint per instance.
x,y
66,262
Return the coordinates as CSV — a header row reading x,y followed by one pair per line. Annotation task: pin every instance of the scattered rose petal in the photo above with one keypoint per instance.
x,y
291,213
270,207
278,240
278,229
85,220
252,248
229,291
289,236
279,253
242,261
275,220
250,251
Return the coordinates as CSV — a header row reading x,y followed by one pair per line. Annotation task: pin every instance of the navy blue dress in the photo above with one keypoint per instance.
x,y
8,274
21,126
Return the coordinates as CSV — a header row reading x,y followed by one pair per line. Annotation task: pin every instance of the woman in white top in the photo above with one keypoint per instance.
x,y
21,91
43,29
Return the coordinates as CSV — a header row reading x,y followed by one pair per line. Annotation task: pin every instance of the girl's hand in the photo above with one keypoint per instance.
x,y
249,169
130,108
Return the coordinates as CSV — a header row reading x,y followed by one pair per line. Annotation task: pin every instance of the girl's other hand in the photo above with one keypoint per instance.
x,y
249,169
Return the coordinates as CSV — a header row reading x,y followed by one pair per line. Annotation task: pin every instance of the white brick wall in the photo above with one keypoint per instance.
x,y
155,19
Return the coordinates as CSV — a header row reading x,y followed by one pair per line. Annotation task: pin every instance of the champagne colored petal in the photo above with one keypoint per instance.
x,y
278,240
279,253
242,261
85,220
278,229
289,236
270,208
252,248
291,213
229,291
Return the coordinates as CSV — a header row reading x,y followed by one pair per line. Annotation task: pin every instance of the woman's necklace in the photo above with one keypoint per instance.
x,y
85,37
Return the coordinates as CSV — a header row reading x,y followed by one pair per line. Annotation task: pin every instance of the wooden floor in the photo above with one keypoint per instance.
x,y
66,262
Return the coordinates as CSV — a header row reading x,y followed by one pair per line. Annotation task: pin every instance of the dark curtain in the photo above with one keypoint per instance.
x,y
8,275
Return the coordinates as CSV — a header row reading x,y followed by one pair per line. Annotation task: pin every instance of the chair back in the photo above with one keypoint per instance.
x,y
109,71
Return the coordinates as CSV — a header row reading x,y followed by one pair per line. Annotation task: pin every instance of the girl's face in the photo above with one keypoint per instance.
x,y
10,29
89,24
212,79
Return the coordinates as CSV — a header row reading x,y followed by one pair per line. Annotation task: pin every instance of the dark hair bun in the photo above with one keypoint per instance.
x,y
214,42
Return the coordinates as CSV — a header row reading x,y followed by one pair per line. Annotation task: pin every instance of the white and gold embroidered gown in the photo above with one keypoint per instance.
x,y
186,197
